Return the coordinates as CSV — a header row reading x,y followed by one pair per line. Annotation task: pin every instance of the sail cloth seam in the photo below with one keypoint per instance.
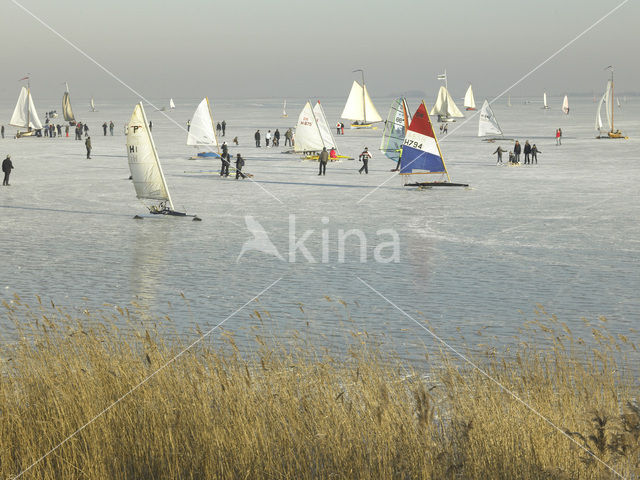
x,y
120,81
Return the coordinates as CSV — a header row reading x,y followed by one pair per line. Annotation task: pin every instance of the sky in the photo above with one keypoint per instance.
x,y
296,48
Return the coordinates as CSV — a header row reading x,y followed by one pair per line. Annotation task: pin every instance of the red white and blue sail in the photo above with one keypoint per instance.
x,y
420,150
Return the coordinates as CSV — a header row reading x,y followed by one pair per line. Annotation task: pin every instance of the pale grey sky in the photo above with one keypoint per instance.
x,y
287,48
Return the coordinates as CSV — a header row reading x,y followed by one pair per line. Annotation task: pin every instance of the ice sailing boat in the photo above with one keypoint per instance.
x,y
25,115
545,105
202,132
145,168
92,105
469,101
488,124
565,105
607,101
284,109
445,107
67,112
421,154
171,104
313,132
360,107
395,128
509,101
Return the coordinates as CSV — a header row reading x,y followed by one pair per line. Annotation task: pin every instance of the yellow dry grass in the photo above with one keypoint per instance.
x,y
297,413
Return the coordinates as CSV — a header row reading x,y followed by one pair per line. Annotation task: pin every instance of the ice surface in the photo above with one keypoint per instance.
x,y
563,234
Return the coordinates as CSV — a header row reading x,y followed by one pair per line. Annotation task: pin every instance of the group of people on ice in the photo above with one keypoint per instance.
x,y
530,154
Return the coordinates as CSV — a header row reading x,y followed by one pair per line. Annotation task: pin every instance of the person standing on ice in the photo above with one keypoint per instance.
x,y
104,128
534,154
66,130
499,151
2,131
224,170
276,138
239,165
150,125
287,137
527,152
86,130
322,160
111,127
7,166
257,137
188,125
267,137
218,129
224,127
517,149
364,158
338,128
341,128
87,143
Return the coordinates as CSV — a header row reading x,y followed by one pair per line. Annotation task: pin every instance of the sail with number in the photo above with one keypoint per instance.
x,y
565,105
25,114
445,107
359,106
171,104
202,131
469,100
144,164
308,138
323,127
395,128
67,112
487,123
420,151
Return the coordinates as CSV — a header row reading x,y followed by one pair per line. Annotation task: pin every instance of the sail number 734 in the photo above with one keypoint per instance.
x,y
413,143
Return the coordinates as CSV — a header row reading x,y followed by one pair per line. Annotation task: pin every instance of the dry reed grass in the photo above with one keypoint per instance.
x,y
302,414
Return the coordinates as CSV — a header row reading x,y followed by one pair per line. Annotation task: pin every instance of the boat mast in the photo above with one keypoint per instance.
x,y
364,104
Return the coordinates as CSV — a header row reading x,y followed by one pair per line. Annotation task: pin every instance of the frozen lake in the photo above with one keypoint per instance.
x,y
563,234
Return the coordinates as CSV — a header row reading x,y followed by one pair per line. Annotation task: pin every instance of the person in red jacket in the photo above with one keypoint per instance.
x,y
333,155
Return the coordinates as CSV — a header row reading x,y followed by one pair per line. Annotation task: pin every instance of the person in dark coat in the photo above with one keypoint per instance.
x,y
257,137
323,158
86,130
239,165
218,128
59,128
224,170
517,150
2,131
276,138
111,127
224,127
527,152
104,128
87,143
364,158
534,154
7,166
499,151
288,135
150,125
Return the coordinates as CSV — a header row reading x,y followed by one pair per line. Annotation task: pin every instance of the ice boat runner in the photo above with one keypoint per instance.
x,y
145,168
202,132
445,107
395,128
67,112
488,124
313,132
565,105
607,101
25,115
421,155
469,101
359,106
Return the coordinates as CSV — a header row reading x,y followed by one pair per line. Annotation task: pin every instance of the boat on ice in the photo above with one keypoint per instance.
x,y
422,158
202,132
92,105
284,109
445,108
25,115
359,107
565,105
545,105
607,102
144,164
171,104
313,133
488,125
67,111
469,100
395,128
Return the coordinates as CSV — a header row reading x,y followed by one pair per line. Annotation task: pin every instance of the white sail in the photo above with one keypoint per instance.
x,y
359,106
618,102
599,110
202,131
308,138
171,104
608,99
92,105
325,132
565,105
509,101
469,101
445,106
144,163
544,100
25,115
487,123
67,112
284,109
395,129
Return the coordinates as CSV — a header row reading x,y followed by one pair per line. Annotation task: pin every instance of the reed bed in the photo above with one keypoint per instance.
x,y
297,412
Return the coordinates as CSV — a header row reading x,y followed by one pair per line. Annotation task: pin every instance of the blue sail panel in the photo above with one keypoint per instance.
x,y
419,161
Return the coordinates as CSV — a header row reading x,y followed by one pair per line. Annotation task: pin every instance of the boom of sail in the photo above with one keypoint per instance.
x,y
25,114
487,122
395,128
